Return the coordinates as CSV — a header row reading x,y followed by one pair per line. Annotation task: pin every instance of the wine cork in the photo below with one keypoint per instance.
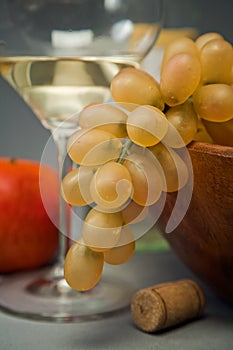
x,y
166,305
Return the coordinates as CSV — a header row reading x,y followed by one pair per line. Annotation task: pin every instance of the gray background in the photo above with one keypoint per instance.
x,y
21,134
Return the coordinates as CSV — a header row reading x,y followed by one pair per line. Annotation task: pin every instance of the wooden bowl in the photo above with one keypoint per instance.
x,y
204,238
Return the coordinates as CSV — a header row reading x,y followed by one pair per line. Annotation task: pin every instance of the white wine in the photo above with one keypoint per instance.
x,y
58,88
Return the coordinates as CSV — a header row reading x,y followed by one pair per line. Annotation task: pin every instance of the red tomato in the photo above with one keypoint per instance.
x,y
28,237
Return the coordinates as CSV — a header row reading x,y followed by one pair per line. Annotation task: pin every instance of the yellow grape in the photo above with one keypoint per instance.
x,y
136,86
179,78
146,125
75,186
146,179
93,147
214,102
221,133
83,267
104,116
101,231
4,67
134,213
232,75
123,251
216,61
179,45
184,119
174,168
204,38
202,135
111,185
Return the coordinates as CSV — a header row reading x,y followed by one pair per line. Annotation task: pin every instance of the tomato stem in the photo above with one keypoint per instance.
x,y
12,160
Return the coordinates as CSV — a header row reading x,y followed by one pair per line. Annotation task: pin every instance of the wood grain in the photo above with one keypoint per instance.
x,y
204,238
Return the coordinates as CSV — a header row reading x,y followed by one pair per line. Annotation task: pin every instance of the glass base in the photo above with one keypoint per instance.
x,y
34,295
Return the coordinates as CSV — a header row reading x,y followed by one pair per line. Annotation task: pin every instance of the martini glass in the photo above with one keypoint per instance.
x,y
63,58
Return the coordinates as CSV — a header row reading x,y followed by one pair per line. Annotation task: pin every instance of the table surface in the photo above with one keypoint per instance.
x,y
213,331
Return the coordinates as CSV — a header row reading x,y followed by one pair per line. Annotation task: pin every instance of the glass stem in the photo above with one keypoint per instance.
x,y
64,165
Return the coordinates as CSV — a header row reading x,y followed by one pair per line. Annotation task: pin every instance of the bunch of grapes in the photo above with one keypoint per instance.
x,y
123,168
127,152
201,71
195,90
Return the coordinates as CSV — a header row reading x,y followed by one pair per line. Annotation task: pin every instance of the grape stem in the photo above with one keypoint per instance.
x,y
124,151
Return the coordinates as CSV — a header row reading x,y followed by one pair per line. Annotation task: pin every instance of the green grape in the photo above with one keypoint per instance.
x,y
204,38
174,168
146,125
216,61
105,117
93,147
101,230
214,102
75,186
83,267
183,120
179,45
134,213
146,179
221,133
123,251
180,78
111,185
136,86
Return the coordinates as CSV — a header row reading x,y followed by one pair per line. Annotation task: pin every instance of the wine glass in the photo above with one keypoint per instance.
x,y
64,58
